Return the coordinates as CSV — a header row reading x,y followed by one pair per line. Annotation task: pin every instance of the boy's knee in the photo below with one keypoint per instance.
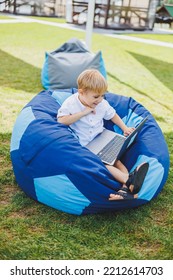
x,y
117,163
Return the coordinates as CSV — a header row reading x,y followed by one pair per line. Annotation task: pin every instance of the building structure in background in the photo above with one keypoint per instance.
x,y
115,14
112,14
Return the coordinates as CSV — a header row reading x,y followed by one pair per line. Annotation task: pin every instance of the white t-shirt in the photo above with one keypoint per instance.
x,y
89,126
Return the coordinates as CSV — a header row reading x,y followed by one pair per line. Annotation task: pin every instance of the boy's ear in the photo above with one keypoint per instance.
x,y
80,91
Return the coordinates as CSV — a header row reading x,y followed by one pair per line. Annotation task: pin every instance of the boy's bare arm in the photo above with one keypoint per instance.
x,y
69,119
118,121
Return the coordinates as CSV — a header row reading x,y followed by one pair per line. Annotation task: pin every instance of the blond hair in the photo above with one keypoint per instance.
x,y
93,80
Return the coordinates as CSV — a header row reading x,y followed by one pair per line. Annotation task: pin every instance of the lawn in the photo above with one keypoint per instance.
x,y
30,230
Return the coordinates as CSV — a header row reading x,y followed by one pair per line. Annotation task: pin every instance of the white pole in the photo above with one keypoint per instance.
x,y
89,24
69,17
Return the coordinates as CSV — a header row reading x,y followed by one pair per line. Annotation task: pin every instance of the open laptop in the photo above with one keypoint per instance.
x,y
110,146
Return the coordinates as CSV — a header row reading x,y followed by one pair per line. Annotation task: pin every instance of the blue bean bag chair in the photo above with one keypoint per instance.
x,y
53,168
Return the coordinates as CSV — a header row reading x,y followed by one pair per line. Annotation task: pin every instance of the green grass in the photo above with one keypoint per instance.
x,y
30,230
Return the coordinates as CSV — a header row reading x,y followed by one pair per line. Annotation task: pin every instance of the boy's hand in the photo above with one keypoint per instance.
x,y
88,110
128,130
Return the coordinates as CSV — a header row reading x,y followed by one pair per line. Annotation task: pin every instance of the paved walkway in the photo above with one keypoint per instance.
x,y
141,40
106,32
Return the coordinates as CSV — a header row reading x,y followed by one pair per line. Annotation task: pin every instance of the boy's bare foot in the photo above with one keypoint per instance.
x,y
123,194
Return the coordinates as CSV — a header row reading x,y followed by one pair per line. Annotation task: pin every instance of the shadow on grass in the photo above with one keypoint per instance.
x,y
160,69
19,75
139,91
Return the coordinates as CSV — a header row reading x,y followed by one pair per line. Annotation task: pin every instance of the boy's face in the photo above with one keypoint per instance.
x,y
90,98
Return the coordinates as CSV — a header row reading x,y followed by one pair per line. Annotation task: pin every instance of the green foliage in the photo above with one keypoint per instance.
x,y
30,230
168,1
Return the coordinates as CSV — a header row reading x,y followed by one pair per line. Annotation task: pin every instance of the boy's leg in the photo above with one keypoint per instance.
x,y
119,175
118,164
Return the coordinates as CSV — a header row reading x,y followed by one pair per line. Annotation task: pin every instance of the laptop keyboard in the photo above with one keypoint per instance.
x,y
111,150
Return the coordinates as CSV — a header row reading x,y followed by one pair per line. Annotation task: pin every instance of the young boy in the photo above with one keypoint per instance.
x,y
84,112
